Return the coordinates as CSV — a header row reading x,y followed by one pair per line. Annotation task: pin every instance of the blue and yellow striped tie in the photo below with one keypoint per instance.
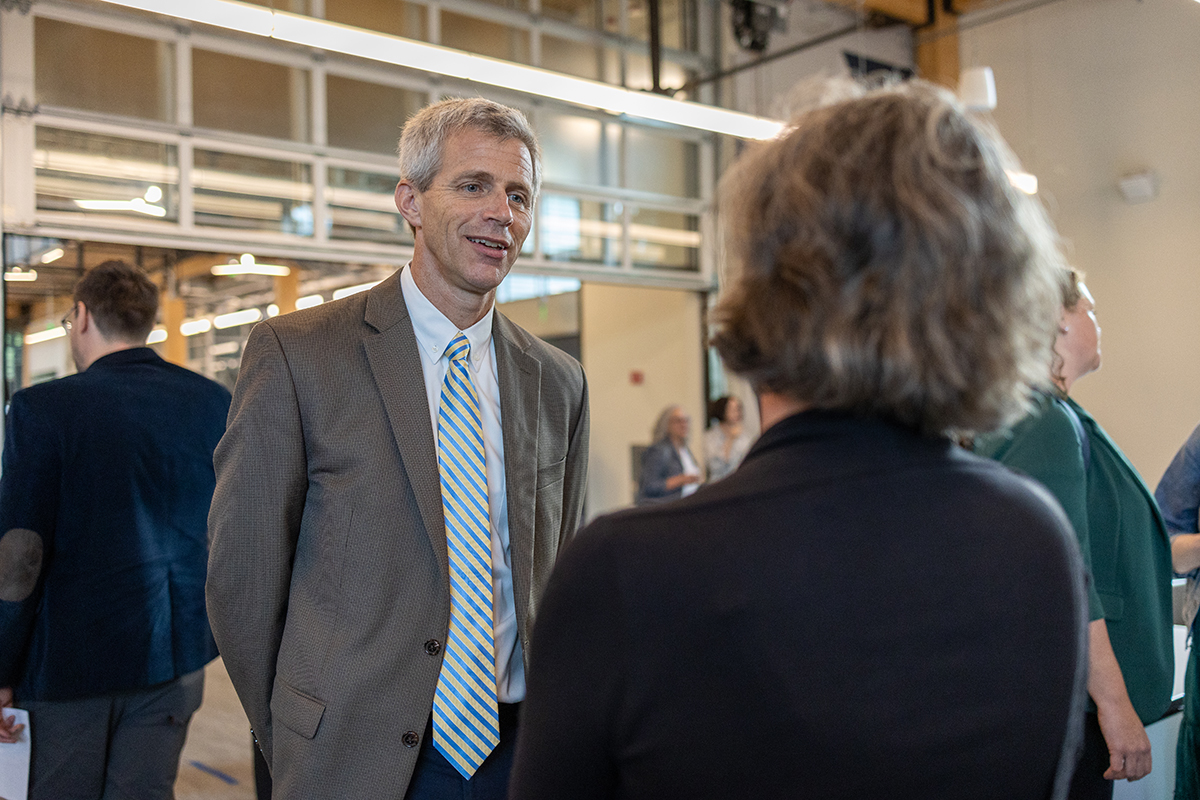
x,y
466,725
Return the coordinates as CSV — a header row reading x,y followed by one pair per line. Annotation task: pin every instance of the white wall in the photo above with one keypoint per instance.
x,y
656,332
1090,90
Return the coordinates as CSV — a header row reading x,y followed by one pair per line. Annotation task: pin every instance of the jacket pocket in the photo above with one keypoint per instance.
x,y
297,711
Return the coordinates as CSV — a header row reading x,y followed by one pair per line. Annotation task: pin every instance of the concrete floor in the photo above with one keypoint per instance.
x,y
216,761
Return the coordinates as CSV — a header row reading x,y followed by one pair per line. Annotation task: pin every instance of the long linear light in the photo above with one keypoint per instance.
x,y
333,37
136,204
56,332
247,316
16,274
246,265
346,291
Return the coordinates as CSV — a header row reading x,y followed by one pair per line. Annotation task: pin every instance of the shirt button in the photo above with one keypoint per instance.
x,y
433,647
410,739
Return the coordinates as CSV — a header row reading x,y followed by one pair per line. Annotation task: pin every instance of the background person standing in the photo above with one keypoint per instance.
x,y
105,491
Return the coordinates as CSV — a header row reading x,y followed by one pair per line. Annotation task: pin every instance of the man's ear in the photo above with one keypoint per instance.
x,y
408,203
83,319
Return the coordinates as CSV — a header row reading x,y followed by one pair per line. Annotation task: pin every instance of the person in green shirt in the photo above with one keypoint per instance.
x,y
1124,543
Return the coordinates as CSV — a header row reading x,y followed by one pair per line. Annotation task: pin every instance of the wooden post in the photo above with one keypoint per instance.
x,y
287,289
937,49
175,348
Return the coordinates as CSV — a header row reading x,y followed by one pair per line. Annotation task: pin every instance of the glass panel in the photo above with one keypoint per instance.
x,y
638,74
571,150
573,58
95,70
580,230
368,116
362,206
665,239
235,191
612,15
677,21
584,13
518,5
270,99
89,173
393,17
485,38
656,162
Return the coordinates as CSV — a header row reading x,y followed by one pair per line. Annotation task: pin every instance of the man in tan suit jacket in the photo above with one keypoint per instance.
x,y
329,589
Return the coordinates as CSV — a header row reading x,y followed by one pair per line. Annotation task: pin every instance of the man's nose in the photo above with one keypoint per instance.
x,y
499,209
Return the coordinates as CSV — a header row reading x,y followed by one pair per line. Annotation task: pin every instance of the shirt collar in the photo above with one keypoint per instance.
x,y
434,331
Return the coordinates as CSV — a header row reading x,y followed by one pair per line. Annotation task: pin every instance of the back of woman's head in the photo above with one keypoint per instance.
x,y
884,264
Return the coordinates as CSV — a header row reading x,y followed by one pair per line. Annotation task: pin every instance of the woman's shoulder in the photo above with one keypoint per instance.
x,y
1044,432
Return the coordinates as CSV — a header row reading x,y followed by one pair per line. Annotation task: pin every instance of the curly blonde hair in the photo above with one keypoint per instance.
x,y
883,264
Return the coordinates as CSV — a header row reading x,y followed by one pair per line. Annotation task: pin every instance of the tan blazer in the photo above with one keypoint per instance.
x,y
328,578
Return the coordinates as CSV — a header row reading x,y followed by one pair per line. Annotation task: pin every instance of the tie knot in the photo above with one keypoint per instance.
x,y
459,348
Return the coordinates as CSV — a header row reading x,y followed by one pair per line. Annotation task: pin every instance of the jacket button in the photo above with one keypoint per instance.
x,y
433,647
410,739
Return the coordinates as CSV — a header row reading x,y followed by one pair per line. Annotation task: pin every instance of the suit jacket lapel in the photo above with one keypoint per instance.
x,y
396,368
520,376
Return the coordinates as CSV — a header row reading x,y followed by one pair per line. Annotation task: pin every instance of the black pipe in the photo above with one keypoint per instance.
x,y
655,47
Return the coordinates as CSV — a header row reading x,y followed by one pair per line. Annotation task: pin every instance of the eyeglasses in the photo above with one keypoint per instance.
x,y
66,321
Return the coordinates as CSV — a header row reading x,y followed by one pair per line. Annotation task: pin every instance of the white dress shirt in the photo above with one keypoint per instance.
x,y
434,333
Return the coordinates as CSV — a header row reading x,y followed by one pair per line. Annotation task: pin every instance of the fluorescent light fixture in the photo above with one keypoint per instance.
x,y
1024,181
332,37
137,204
50,256
57,332
157,335
308,301
190,327
224,348
272,310
235,16
20,275
246,316
246,265
349,290
153,194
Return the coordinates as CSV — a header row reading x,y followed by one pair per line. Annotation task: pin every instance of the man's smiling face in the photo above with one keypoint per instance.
x,y
472,220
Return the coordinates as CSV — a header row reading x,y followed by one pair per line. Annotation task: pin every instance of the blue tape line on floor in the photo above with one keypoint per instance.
x,y
216,773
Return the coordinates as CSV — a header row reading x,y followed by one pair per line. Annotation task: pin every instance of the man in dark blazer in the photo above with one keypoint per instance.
x,y
331,579
107,479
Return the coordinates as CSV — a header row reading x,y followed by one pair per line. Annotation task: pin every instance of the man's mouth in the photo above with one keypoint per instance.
x,y
488,243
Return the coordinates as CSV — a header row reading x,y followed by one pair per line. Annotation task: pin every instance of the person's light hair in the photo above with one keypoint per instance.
x,y
1070,280
883,264
1070,287
662,425
423,140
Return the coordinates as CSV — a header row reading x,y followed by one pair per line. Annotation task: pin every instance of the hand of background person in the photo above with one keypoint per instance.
x,y
9,732
682,479
1128,744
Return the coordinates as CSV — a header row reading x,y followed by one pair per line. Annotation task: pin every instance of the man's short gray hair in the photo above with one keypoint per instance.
x,y
423,139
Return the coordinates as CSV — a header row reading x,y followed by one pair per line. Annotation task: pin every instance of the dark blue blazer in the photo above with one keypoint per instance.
x,y
112,469
660,461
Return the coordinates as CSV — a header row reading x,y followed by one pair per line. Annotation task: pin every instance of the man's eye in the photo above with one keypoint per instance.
x,y
517,198
472,187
